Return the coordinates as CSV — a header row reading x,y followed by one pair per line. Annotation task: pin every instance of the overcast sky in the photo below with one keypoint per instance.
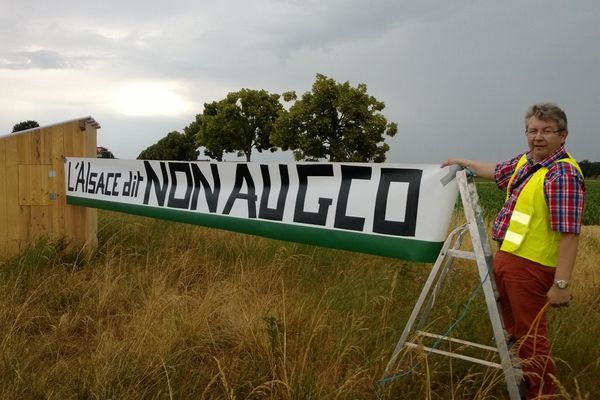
x,y
457,76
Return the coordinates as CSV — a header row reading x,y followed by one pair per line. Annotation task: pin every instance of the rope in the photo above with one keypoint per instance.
x,y
446,334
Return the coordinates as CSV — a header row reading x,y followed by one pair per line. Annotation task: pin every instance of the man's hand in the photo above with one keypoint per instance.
x,y
482,169
559,297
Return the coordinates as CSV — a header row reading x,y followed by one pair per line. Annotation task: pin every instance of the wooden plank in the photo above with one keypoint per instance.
x,y
92,134
68,151
25,226
33,185
35,151
13,247
91,219
3,200
13,210
75,216
39,224
24,148
91,238
44,146
58,206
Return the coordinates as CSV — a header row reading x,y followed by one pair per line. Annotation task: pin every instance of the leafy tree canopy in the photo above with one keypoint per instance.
x,y
334,121
174,146
590,169
241,122
23,126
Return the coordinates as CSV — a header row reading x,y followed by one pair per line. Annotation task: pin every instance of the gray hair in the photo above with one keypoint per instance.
x,y
547,112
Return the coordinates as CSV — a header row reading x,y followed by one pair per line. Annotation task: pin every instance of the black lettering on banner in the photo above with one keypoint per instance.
x,y
342,221
87,179
117,175
69,188
130,188
127,189
242,173
174,202
137,182
100,184
153,181
408,226
212,196
80,176
92,182
265,212
107,184
304,171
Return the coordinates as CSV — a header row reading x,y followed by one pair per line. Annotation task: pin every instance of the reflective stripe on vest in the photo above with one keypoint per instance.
x,y
529,234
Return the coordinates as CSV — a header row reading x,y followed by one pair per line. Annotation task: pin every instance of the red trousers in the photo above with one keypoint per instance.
x,y
522,285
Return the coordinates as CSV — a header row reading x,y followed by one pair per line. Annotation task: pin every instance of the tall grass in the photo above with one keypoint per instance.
x,y
170,311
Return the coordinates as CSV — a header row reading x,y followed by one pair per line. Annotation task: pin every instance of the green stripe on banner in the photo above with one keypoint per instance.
x,y
406,249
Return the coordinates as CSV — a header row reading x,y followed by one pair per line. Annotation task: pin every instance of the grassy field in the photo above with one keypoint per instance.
x,y
170,311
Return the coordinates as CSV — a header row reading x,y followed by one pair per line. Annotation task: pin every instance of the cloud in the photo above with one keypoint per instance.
x,y
456,75
42,59
324,25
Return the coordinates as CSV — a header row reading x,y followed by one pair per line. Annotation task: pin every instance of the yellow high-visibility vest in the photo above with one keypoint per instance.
x,y
529,234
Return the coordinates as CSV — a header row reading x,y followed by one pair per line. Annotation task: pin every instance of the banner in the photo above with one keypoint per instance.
x,y
394,210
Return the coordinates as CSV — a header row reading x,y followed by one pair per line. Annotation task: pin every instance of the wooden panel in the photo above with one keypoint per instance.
x,y
91,219
34,185
75,216
39,223
74,140
3,199
60,205
26,211
68,150
24,148
43,146
24,226
92,141
91,237
13,210
13,246
35,151
57,185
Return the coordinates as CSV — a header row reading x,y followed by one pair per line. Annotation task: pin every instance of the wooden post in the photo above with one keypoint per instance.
x,y
32,186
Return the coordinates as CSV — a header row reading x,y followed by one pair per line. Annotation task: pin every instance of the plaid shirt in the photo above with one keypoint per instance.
x,y
563,187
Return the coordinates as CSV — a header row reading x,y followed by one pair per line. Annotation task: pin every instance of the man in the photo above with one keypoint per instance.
x,y
537,230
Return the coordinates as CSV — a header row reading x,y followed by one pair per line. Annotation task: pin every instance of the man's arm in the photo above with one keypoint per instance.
x,y
481,169
567,252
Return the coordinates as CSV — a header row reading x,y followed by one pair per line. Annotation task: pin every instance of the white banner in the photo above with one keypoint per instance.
x,y
375,208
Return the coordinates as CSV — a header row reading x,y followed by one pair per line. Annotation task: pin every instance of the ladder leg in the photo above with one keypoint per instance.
x,y
512,374
433,275
448,262
483,254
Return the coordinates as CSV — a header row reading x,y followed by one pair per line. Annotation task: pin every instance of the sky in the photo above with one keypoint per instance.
x,y
456,76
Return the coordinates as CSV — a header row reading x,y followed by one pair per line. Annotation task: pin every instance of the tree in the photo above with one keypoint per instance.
x,y
241,122
174,146
214,145
590,169
334,121
23,126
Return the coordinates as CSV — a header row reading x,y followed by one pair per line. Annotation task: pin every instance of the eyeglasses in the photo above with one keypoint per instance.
x,y
544,133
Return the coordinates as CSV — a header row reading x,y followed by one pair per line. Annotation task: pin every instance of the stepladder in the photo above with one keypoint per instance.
x,y
414,335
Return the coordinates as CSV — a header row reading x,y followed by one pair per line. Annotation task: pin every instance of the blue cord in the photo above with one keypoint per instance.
x,y
466,306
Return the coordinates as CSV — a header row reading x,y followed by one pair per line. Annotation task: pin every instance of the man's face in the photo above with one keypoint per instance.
x,y
544,138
